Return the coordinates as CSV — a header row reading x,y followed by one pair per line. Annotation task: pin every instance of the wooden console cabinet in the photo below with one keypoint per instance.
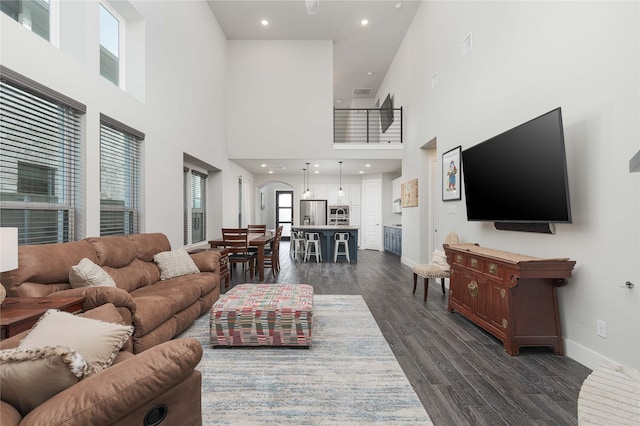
x,y
511,296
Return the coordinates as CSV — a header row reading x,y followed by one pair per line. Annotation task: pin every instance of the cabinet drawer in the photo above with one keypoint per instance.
x,y
493,269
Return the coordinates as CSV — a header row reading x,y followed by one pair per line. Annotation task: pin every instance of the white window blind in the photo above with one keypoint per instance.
x,y
195,206
198,206
120,172
39,161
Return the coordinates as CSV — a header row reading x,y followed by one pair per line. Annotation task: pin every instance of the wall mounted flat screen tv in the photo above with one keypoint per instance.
x,y
386,113
519,176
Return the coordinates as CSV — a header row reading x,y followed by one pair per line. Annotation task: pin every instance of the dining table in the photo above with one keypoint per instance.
x,y
259,241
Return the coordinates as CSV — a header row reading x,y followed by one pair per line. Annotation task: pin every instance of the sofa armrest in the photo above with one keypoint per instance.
x,y
112,394
98,296
9,415
207,261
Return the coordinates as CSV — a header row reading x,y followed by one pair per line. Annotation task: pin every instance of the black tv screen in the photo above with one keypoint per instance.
x,y
519,175
386,113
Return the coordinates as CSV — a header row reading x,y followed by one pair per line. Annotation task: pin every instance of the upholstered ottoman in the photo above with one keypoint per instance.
x,y
263,315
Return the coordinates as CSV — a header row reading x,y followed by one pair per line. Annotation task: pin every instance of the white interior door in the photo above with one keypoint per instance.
x,y
372,214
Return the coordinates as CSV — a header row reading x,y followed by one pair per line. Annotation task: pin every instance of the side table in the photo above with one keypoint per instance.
x,y
18,314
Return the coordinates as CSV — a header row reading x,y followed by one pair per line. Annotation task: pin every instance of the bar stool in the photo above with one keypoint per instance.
x,y
296,245
312,239
341,239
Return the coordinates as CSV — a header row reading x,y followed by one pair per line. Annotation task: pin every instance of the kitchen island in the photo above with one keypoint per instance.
x,y
326,239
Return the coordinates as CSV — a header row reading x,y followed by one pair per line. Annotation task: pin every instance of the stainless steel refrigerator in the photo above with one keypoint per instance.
x,y
313,212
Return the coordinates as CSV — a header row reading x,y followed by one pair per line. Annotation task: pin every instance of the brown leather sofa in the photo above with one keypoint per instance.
x,y
158,386
159,310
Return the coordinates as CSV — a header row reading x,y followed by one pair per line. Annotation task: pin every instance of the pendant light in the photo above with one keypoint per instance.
x,y
340,191
307,193
304,184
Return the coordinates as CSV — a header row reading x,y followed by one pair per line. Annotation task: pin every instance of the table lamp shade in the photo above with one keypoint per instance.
x,y
8,249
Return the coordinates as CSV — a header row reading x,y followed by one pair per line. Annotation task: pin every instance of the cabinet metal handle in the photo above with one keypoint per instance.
x,y
473,288
493,268
474,263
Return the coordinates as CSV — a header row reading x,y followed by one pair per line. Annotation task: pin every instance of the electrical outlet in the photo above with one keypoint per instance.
x,y
601,328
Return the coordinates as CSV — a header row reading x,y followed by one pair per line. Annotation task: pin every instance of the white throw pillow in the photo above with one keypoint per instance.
x,y
28,377
97,341
88,274
175,263
439,258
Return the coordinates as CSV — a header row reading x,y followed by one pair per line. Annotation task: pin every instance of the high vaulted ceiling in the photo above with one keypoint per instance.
x,y
362,54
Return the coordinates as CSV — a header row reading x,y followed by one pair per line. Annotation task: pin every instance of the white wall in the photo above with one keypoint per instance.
x,y
280,99
181,106
528,58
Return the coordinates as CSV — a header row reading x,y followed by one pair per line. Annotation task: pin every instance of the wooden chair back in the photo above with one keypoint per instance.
x,y
236,240
257,229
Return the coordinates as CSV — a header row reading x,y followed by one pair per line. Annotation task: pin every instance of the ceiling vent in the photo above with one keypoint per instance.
x,y
362,92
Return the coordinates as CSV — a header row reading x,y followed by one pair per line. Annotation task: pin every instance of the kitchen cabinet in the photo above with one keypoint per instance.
x,y
393,240
509,295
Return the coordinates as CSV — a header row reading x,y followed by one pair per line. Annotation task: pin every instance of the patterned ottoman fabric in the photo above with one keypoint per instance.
x,y
263,315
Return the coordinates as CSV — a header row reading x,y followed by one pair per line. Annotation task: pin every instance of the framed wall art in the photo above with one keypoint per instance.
x,y
451,175
409,193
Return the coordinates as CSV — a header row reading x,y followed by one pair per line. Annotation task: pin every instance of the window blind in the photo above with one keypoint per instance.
x,y
198,206
40,139
120,173
185,203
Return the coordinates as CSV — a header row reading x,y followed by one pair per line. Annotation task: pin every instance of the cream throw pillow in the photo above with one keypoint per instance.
x,y
175,263
28,377
88,274
97,341
439,258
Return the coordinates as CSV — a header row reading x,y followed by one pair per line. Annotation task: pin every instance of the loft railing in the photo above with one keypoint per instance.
x,y
367,125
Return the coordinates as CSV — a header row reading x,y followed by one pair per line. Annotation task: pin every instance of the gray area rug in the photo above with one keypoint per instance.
x,y
349,375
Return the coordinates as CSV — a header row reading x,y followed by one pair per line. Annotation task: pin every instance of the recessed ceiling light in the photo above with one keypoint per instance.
x,y
361,172
369,73
270,172
316,172
367,165
264,22
316,165
364,22
398,5
263,165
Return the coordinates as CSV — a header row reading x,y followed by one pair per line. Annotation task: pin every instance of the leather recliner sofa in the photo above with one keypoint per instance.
x,y
158,309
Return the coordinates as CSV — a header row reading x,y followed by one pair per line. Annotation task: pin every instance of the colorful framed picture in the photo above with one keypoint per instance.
x,y
409,193
451,175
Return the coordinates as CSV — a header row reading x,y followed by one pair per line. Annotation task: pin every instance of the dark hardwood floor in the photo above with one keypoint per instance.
x,y
461,374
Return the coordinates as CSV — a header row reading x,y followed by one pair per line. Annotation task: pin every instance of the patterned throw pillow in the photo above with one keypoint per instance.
x,y
97,341
175,263
28,377
88,274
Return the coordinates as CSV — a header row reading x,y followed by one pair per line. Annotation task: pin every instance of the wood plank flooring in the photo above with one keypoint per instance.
x,y
461,374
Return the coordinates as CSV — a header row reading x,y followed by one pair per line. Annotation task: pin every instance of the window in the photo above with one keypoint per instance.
x,y
120,172
32,14
195,206
111,45
40,161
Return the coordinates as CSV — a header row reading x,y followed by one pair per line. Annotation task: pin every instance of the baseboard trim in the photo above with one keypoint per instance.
x,y
584,355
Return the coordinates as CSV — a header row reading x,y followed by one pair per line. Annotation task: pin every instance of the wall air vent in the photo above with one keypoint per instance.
x,y
362,92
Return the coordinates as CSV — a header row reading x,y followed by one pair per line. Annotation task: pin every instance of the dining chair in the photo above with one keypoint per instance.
x,y
256,229
272,255
438,268
236,240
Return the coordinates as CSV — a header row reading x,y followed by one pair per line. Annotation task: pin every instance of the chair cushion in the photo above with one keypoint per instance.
x,y
429,270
